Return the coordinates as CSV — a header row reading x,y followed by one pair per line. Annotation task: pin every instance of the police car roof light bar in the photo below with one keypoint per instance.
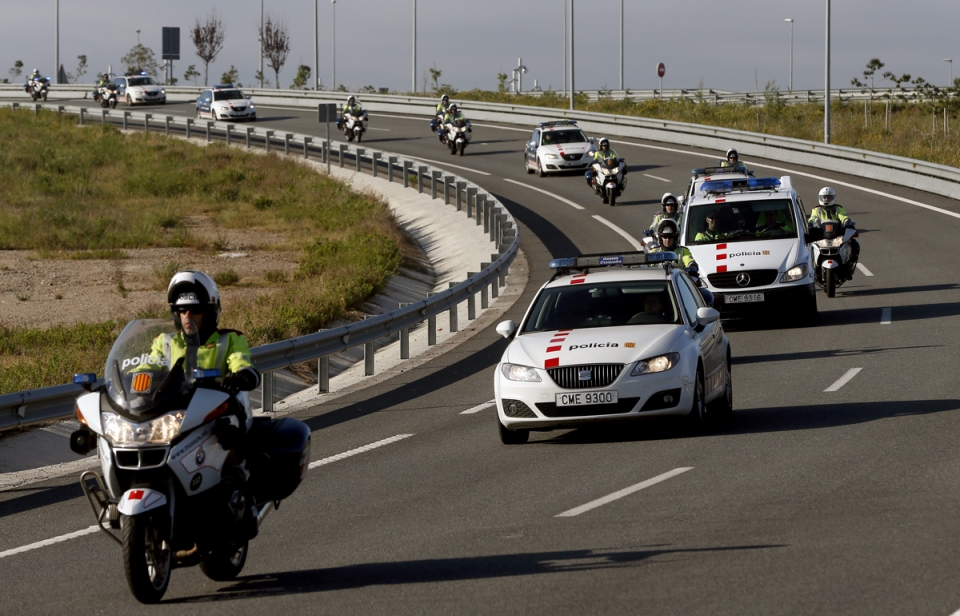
x,y
552,123
719,170
609,260
720,187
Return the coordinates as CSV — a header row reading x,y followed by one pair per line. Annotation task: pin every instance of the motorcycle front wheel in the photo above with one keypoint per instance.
x,y
460,147
359,137
349,136
147,557
226,563
830,282
613,198
44,96
113,103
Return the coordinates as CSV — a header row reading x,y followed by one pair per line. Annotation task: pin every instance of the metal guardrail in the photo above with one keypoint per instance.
x,y
50,403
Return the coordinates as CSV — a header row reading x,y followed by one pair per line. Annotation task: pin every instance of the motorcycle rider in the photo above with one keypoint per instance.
x,y
733,160
453,114
102,82
829,209
442,106
670,208
352,106
668,234
602,154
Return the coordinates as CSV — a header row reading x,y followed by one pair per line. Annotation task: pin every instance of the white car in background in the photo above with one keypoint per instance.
x,y
140,89
225,102
558,146
610,337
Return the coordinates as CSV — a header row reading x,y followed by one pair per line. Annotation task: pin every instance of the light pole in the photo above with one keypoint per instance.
x,y
58,43
950,62
333,84
520,70
826,85
414,78
316,45
790,21
261,44
621,44
565,11
572,88
138,36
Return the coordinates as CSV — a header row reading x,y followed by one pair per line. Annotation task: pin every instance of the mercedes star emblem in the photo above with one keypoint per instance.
x,y
743,279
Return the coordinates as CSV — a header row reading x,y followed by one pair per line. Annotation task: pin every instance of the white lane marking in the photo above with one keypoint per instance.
x,y
546,192
93,529
445,164
653,177
636,245
385,130
479,407
846,378
621,493
46,542
886,315
864,270
358,450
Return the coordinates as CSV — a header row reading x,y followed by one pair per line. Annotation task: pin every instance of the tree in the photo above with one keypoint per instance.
x,y
191,74
17,69
259,78
81,66
276,45
502,82
873,66
435,75
302,79
231,76
208,39
141,59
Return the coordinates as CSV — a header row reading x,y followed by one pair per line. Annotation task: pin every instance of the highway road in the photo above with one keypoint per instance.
x,y
825,494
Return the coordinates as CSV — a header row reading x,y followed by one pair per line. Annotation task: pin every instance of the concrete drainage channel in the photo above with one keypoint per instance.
x,y
473,223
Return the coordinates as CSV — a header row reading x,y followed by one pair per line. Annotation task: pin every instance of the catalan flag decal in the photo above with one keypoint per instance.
x,y
141,382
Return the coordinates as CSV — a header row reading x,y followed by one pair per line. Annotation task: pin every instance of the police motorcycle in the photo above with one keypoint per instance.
x,y
353,124
833,258
608,178
457,135
107,96
188,474
37,87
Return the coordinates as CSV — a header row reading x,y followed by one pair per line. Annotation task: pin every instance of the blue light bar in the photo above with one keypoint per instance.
x,y
608,260
209,373
83,379
661,257
725,186
563,263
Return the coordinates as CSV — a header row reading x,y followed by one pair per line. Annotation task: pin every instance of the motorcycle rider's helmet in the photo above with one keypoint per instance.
x,y
669,199
603,142
827,197
667,228
453,108
351,100
444,99
733,154
35,73
191,288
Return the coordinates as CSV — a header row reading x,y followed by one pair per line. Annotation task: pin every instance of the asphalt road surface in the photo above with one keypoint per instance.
x,y
814,499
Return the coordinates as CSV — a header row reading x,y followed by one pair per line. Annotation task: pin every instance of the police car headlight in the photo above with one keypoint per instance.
x,y
798,272
552,156
660,363
514,372
160,431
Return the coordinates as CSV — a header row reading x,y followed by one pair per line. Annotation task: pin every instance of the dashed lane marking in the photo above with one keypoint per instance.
x,y
633,241
864,270
621,493
546,192
40,544
478,408
653,177
846,378
359,450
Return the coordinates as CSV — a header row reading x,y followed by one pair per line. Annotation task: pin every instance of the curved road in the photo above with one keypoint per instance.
x,y
814,499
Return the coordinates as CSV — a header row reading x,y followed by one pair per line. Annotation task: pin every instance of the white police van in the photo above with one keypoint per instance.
x,y
749,237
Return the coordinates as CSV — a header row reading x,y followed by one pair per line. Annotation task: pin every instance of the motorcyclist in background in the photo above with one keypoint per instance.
x,y
352,106
602,154
102,81
443,105
668,234
828,209
670,208
453,114
732,160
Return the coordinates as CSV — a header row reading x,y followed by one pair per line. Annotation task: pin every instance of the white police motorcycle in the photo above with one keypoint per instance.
x,y
608,178
353,124
106,96
833,258
457,135
188,474
37,87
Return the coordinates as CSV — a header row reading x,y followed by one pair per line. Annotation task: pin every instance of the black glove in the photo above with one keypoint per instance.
x,y
246,379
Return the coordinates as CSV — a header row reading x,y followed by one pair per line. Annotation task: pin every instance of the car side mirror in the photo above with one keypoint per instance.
x,y
506,328
707,315
681,200
592,140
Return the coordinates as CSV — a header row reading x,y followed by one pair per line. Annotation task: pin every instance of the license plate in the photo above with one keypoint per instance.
x,y
744,298
583,398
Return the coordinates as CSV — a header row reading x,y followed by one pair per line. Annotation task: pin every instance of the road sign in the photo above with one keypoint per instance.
x,y
171,44
661,70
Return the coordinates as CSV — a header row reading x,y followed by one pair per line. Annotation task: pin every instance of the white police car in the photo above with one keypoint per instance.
x,y
139,89
749,237
557,146
225,102
612,337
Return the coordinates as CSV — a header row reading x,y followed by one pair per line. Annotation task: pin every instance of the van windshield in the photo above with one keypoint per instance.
x,y
740,221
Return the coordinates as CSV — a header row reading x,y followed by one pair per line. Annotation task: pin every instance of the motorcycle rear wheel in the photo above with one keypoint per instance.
x,y
830,282
147,558
226,563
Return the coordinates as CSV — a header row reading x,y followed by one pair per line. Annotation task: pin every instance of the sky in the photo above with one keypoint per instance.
x,y
734,45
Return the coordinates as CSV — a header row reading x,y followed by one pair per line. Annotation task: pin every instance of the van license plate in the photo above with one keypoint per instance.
x,y
743,298
583,398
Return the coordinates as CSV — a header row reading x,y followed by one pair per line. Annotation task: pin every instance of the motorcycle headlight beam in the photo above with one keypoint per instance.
x,y
159,431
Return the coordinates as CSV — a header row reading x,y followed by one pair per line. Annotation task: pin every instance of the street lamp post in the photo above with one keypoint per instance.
x,y
316,45
57,67
572,88
138,36
826,85
950,62
414,78
333,84
791,52
261,44
621,44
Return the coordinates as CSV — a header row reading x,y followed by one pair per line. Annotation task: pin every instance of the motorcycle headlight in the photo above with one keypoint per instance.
x,y
514,372
834,243
660,363
552,156
798,272
159,431
162,91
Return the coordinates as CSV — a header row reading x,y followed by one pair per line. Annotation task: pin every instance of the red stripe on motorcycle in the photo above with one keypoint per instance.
x,y
135,495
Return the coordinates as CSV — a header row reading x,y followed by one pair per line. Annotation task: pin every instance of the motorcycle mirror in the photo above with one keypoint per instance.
x,y
85,378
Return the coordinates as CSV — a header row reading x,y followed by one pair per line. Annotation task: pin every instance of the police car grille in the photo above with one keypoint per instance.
x,y
572,156
601,375
728,280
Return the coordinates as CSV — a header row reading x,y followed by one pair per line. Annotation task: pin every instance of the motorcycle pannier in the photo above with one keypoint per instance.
x,y
277,455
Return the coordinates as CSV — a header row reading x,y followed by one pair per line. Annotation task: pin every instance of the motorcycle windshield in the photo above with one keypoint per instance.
x,y
139,374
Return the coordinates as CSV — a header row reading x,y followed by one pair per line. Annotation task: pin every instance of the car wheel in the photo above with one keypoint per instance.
x,y
526,166
697,418
540,169
512,437
129,101
807,314
722,407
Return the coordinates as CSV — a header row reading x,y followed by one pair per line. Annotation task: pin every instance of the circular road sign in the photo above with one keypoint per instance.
x,y
661,70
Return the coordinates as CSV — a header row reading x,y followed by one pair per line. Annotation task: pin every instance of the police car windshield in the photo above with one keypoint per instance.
x,y
553,137
740,221
227,95
141,81
610,304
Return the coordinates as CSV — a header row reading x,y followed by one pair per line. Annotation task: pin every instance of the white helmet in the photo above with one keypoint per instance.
x,y
190,288
669,198
351,100
603,142
828,196
733,153
667,226
444,99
